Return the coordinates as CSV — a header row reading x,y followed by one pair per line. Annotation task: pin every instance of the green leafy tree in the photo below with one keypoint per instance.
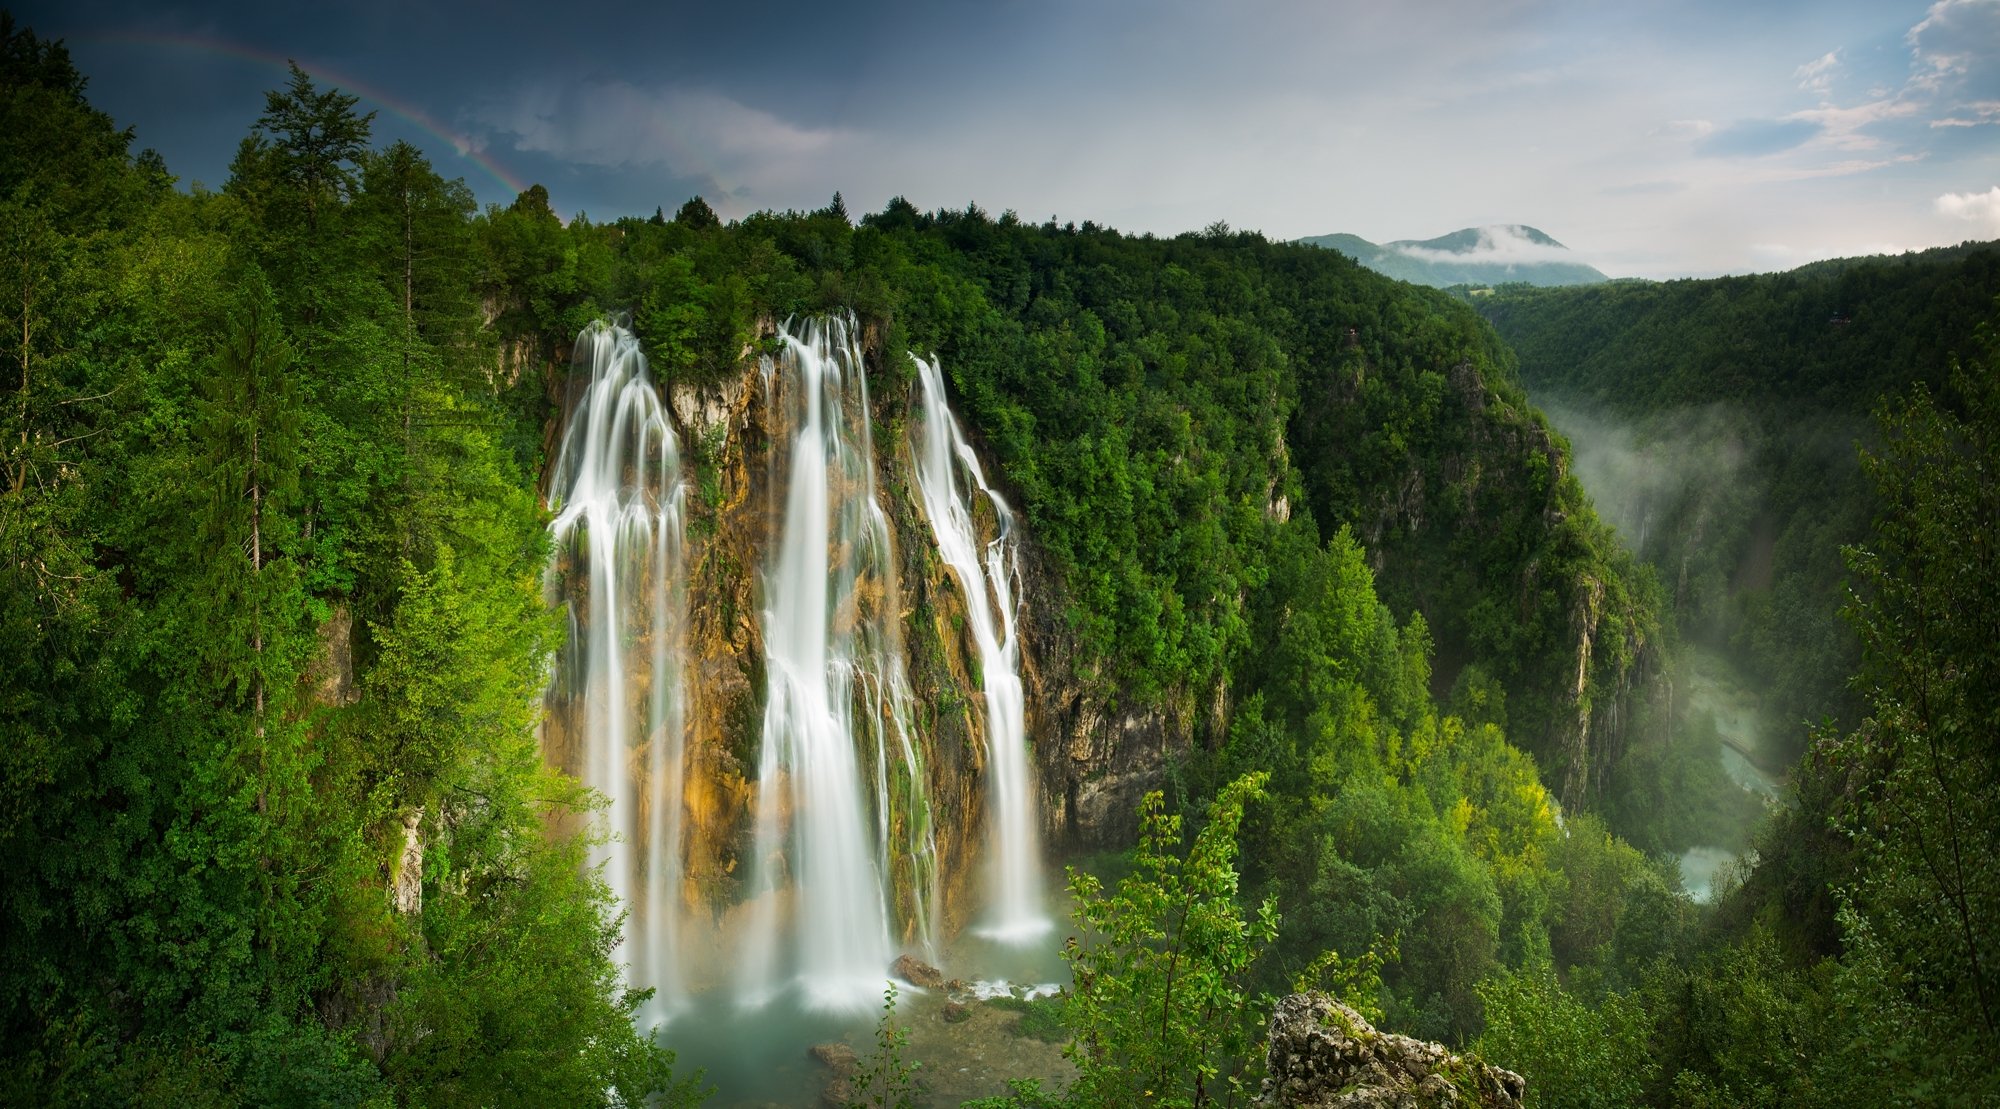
x,y
318,138
1923,769
1573,1054
887,1079
1162,1010
249,430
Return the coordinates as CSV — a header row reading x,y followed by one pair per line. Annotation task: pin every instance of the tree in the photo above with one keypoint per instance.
x,y
1923,771
1161,1008
318,139
1571,1053
250,435
697,214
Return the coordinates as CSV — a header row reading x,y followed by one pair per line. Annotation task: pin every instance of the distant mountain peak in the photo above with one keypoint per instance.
x,y
1472,240
1489,255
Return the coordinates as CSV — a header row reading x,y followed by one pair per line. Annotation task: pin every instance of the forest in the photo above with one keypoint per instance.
x,y
271,552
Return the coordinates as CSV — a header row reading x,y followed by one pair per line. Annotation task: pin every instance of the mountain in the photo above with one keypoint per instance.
x,y
1493,255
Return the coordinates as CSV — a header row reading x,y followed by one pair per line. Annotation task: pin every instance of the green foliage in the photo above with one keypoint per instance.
x,y
1571,1053
1041,1018
1924,810
1162,1010
1356,982
887,1079
244,425
1853,964
1740,399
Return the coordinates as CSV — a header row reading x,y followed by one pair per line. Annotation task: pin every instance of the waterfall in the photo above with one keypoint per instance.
x,y
826,871
618,497
1015,911
839,864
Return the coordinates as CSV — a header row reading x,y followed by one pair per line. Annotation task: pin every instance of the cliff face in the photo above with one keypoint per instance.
x,y
1483,529
1097,753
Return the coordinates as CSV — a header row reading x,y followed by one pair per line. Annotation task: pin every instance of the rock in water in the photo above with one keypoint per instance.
x,y
1323,1055
838,1057
843,1062
918,973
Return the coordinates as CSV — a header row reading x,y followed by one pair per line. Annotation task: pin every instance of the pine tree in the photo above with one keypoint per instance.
x,y
249,435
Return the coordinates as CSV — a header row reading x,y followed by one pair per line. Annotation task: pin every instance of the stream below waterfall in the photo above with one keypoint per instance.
x,y
763,1056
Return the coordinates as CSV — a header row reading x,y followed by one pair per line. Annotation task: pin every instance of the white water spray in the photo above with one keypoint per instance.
x,y
618,495
1015,913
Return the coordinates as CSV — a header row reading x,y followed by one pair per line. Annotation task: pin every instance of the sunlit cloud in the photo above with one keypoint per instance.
x,y
1982,209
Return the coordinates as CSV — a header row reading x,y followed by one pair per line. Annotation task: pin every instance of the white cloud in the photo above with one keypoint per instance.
x,y
1502,243
1817,75
1954,40
1980,208
1844,128
1981,112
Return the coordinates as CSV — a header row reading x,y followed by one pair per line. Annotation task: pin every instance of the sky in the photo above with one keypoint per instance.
x,y
1655,138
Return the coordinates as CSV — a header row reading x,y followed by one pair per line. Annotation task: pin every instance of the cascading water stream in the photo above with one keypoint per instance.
x,y
1015,913
824,870
618,495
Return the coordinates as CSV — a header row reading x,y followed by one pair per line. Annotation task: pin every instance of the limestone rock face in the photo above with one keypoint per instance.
x,y
1323,1055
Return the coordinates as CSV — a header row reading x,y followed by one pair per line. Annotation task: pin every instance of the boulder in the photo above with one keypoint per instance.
x,y
836,1055
918,973
956,1012
842,1061
1324,1055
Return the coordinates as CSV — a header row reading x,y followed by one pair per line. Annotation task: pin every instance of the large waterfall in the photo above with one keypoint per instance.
x,y
771,807
618,495
1015,911
836,692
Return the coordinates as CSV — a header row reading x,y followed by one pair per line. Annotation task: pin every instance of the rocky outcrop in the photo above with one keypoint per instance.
x,y
1097,752
918,973
1324,1055
406,887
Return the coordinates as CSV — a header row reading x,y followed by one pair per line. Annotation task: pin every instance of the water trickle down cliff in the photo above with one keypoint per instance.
x,y
942,458
838,686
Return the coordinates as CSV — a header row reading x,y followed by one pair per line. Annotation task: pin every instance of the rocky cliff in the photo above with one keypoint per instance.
x,y
1481,527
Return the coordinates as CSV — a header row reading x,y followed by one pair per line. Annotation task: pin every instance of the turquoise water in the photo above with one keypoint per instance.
x,y
763,1056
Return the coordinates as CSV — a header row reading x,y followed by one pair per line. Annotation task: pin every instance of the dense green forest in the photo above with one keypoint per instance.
x,y
270,560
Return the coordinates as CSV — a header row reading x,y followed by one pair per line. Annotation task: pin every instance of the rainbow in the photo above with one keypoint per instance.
x,y
460,143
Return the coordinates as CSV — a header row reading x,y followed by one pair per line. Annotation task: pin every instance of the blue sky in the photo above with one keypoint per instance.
x,y
1656,139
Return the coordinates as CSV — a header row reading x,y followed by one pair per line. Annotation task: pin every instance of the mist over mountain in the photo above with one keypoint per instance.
x,y
1492,255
